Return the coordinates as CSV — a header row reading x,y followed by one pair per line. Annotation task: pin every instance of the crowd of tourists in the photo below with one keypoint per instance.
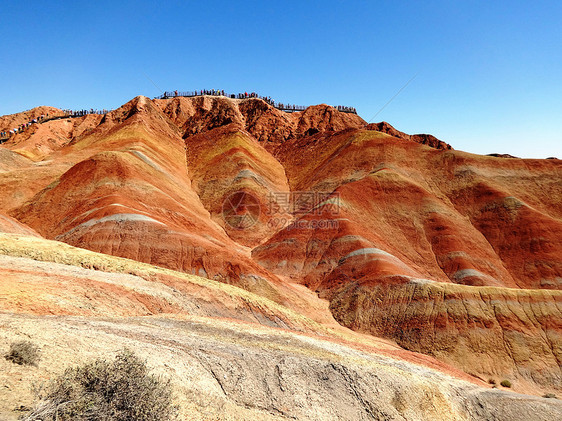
x,y
22,127
243,95
81,113
4,135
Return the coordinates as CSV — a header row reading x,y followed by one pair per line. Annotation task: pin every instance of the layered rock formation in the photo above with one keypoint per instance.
x,y
229,353
386,243
261,120
424,139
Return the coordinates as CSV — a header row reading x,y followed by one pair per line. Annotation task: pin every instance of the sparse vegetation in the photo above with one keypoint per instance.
x,y
23,353
505,383
550,396
118,390
491,381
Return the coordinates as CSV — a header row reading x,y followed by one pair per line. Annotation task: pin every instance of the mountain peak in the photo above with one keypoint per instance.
x,y
424,139
262,120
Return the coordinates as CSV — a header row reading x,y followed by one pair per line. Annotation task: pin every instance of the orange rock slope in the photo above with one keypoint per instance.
x,y
454,255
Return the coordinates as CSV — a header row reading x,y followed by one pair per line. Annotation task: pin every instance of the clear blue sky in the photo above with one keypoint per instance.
x,y
489,73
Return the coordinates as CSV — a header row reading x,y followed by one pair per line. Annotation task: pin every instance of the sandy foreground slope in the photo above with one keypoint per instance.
x,y
231,354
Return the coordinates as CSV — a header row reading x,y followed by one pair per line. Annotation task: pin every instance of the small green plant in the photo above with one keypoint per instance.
x,y
23,353
506,383
549,396
118,390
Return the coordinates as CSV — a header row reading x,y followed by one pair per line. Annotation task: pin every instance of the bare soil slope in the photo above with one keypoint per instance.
x,y
194,213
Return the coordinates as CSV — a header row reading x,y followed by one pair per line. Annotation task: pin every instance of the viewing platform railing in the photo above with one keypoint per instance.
x,y
6,135
279,105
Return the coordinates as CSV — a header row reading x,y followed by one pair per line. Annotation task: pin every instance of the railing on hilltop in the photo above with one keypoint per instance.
x,y
82,113
216,92
6,135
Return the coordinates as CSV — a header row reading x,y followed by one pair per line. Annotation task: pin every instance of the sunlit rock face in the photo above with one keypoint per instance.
x,y
355,226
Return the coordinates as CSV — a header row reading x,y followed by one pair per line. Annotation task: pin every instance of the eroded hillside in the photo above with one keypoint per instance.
x,y
360,245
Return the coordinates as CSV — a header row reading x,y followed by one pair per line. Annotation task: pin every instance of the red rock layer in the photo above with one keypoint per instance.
x,y
129,195
10,225
490,332
424,139
261,120
12,121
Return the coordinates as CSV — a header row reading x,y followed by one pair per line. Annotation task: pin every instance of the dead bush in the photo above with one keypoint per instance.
x,y
118,390
23,353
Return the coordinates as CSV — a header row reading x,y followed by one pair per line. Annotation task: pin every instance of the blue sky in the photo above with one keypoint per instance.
x,y
489,74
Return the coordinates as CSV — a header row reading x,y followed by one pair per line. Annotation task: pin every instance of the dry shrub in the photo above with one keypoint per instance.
x,y
23,353
118,390
506,383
